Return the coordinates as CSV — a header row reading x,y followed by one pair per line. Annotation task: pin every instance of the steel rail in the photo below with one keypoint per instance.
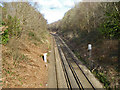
x,y
72,69
64,69
76,63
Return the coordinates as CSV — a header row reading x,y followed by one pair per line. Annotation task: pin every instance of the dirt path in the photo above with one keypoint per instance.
x,y
52,82
56,78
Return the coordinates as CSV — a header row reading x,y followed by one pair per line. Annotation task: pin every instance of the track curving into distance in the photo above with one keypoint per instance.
x,y
74,75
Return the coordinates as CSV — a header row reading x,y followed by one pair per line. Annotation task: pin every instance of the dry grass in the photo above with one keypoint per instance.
x,y
22,65
104,56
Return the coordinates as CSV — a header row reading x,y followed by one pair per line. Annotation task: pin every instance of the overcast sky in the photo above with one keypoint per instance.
x,y
53,10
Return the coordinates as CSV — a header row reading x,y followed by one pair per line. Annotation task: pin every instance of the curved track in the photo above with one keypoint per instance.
x,y
74,75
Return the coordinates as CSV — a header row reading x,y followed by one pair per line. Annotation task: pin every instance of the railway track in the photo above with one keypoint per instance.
x,y
74,75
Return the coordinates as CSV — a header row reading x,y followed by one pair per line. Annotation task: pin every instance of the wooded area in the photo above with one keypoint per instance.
x,y
26,17
96,23
25,38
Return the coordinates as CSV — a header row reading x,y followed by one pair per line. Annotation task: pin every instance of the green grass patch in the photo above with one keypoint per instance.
x,y
8,71
13,29
5,37
33,36
102,78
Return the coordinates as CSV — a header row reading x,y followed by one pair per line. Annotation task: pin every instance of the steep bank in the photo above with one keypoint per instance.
x,y
24,41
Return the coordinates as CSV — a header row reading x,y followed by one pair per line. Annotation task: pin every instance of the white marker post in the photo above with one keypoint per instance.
x,y
45,57
90,55
90,49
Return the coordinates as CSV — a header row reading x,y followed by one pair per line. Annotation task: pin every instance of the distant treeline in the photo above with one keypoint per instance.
x,y
90,16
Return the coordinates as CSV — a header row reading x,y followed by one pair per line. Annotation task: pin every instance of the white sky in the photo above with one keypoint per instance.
x,y
54,10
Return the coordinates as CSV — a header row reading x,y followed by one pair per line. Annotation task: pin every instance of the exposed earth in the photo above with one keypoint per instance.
x,y
25,68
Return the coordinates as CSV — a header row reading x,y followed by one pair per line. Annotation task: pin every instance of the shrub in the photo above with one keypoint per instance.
x,y
13,29
111,26
5,37
33,36
13,26
102,77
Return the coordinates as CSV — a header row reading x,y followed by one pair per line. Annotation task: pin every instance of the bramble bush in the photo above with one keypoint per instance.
x,y
5,37
111,26
13,26
13,29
